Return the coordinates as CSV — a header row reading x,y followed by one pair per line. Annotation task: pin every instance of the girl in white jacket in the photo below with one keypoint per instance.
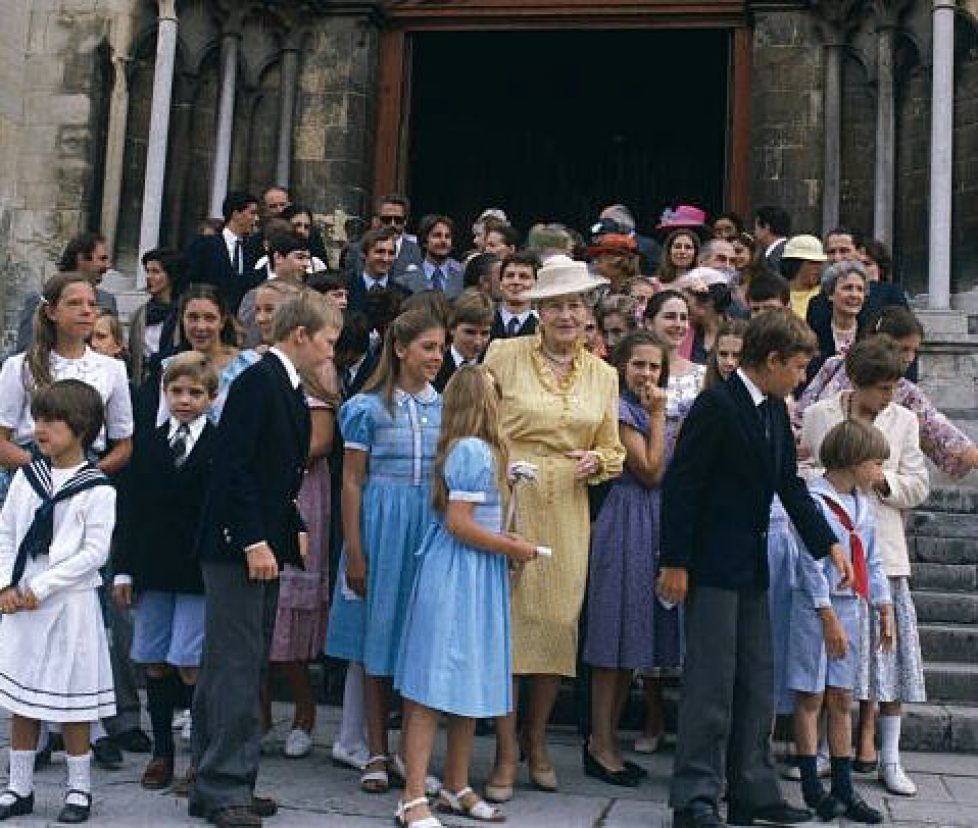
x,y
874,367
55,530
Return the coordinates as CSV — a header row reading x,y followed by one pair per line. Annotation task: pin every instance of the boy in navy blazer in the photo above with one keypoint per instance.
x,y
515,316
735,451
250,529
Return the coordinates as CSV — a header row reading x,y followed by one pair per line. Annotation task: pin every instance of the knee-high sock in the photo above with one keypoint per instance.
x,y
889,727
353,723
160,693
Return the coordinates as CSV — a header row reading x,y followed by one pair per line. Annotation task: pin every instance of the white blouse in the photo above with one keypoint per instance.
x,y
104,374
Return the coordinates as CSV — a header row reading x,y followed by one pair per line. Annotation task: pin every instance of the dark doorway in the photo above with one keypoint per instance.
x,y
552,125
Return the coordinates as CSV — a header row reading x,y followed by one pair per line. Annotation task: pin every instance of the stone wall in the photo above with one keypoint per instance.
x,y
858,148
788,115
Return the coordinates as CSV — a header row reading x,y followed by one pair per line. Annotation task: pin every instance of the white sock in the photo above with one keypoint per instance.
x,y
352,736
79,778
21,771
889,728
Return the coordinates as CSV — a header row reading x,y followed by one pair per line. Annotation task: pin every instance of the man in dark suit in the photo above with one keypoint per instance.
x,y
515,316
250,528
378,250
392,212
222,259
438,271
468,330
772,226
735,452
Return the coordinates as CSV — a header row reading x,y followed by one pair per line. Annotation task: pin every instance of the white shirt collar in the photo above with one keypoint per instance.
x,y
426,396
506,315
290,369
196,428
229,237
459,359
756,395
430,267
369,281
770,247
352,370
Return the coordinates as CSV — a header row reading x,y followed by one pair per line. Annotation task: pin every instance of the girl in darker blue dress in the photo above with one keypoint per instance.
x,y
455,652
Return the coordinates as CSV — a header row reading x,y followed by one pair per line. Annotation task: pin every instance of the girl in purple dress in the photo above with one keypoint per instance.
x,y
620,616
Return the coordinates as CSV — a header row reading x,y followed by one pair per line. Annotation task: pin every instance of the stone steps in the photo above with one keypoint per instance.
x,y
949,642
954,607
945,577
952,682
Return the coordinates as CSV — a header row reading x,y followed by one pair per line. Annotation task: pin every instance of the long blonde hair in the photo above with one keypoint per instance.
x,y
37,360
402,331
470,408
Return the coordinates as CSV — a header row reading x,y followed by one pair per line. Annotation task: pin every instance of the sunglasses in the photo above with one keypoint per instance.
x,y
392,219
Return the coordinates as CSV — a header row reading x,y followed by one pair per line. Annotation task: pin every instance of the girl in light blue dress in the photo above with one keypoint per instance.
x,y
455,653
390,432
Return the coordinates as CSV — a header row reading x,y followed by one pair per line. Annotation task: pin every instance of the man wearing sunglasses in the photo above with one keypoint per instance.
x,y
391,211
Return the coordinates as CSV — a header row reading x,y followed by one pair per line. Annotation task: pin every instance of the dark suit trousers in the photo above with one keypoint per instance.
x,y
226,712
727,701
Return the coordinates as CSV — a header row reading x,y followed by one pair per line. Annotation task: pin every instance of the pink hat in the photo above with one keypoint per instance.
x,y
683,216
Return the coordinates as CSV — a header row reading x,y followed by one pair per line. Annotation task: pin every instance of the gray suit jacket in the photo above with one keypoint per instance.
x,y
409,254
415,280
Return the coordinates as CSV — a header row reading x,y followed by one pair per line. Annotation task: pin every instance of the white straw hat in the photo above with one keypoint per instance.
x,y
562,276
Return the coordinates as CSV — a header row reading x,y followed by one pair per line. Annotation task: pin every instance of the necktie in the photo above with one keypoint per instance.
x,y
860,571
236,262
438,280
513,326
376,287
178,446
764,412
40,534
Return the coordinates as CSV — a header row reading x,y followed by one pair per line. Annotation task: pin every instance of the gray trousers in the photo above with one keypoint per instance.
x,y
727,701
226,736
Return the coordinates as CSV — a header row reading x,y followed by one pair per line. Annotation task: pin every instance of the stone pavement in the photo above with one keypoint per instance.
x,y
312,792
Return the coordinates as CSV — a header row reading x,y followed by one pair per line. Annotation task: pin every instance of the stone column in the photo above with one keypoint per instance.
x,y
289,80
120,42
885,135
159,130
225,120
941,155
832,163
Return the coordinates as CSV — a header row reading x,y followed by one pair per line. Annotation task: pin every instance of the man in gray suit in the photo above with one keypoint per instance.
x,y
87,253
391,211
438,271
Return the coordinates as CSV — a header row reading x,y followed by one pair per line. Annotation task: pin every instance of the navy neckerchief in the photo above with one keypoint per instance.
x,y
39,536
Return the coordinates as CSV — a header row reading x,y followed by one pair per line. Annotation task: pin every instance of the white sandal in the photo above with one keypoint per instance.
x,y
432,784
451,803
425,822
375,781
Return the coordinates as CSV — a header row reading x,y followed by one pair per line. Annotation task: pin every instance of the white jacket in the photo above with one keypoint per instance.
x,y
905,471
82,534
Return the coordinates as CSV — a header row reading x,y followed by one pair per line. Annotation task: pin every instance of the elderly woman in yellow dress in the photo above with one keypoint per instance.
x,y
559,412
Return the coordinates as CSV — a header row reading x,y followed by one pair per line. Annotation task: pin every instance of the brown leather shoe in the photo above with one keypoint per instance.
x,y
237,816
158,773
264,806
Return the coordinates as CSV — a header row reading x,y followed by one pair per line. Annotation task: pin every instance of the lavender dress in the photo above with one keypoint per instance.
x,y
624,550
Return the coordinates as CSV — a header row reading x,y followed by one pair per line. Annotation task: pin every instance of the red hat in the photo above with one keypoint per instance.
x,y
612,244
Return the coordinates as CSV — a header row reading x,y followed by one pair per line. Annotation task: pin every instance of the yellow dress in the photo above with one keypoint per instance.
x,y
542,419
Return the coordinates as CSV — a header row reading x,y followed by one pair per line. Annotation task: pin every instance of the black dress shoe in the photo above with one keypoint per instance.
x,y
592,767
696,818
107,754
20,806
236,816
72,813
858,810
635,770
261,806
779,814
829,807
133,741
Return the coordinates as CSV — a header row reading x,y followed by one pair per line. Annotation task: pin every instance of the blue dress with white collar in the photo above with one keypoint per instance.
x,y
395,513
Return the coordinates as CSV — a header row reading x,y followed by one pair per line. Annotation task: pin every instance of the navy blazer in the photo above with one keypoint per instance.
x,y
208,263
717,491
159,512
357,293
260,461
498,329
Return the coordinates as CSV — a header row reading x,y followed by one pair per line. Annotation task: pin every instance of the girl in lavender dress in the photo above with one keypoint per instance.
x,y
620,616
667,316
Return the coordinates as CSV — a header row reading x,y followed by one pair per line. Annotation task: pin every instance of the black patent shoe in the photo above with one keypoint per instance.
x,y
592,767
20,806
780,813
635,770
106,754
71,813
858,810
829,807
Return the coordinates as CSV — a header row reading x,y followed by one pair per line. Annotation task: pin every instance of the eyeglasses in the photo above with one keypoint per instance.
x,y
392,219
